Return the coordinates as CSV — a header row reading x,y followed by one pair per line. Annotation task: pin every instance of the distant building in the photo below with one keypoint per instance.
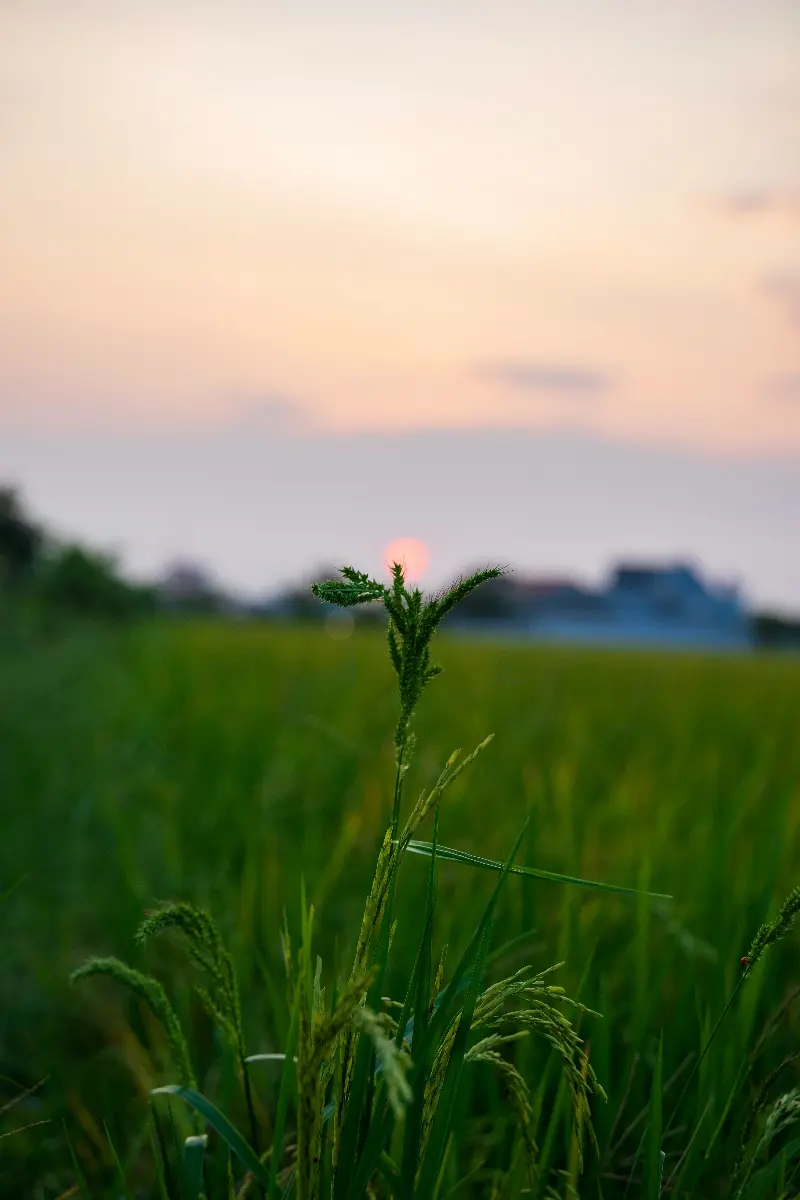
x,y
641,603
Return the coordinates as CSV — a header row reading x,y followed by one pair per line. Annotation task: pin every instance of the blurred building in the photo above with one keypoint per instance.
x,y
641,603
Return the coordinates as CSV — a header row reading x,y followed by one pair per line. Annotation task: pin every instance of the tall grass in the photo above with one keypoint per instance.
x,y
473,1107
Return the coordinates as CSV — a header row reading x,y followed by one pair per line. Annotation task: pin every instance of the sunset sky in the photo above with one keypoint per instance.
x,y
332,221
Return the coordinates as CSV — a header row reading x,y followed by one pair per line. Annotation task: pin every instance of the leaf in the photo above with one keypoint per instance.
x,y
653,1154
218,1121
194,1149
75,1164
115,1156
268,1058
440,1133
163,1190
380,1129
412,1135
446,1005
288,1077
758,1188
448,854
475,955
363,1072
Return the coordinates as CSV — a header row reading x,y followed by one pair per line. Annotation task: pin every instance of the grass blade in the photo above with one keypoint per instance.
x,y
161,1180
115,1156
440,1133
218,1121
76,1165
194,1149
364,1065
757,1190
446,1007
449,854
412,1135
380,1130
475,956
277,1057
288,1079
653,1154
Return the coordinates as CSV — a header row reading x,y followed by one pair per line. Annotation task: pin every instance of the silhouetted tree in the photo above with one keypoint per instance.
x,y
21,541
86,583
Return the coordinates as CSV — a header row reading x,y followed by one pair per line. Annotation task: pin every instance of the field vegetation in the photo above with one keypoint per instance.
x,y
250,772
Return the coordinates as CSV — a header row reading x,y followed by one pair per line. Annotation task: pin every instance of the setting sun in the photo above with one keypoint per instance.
x,y
412,553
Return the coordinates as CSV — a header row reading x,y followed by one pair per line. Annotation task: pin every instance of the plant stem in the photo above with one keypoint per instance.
x,y
703,1053
398,785
251,1112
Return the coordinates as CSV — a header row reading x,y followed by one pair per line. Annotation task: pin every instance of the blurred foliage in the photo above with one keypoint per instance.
x,y
41,576
217,764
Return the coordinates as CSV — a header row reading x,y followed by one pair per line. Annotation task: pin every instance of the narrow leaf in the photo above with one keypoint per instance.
x,y
194,1149
448,854
765,1178
653,1154
443,1120
218,1121
380,1129
75,1165
267,1058
115,1156
446,1006
412,1135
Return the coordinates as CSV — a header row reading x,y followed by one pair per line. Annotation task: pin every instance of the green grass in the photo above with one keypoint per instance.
x,y
222,764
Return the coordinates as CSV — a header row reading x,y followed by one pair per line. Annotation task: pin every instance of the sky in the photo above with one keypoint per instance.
x,y
323,232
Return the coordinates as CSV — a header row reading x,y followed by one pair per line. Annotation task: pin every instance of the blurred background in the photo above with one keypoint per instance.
x,y
284,287
281,284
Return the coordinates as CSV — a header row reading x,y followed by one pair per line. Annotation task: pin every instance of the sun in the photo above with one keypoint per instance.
x,y
411,553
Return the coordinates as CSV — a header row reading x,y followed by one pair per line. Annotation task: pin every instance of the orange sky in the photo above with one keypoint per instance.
x,y
515,214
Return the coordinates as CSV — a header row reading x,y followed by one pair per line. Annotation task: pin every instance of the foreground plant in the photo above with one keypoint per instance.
x,y
368,1095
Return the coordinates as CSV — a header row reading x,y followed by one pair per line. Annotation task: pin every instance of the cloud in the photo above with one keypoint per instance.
x,y
762,202
784,288
273,413
571,380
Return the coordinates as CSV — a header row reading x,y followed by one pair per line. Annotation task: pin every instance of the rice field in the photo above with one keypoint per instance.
x,y
227,765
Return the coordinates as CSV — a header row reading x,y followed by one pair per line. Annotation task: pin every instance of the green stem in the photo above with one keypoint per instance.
x,y
703,1053
398,784
687,1085
251,1112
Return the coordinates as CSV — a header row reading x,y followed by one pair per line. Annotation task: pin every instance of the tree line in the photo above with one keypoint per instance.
x,y
37,568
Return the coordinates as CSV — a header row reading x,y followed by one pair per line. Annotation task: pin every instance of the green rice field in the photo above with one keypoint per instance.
x,y
228,764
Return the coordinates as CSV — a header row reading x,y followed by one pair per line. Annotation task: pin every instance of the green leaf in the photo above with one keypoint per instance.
x,y
474,956
653,1154
413,1124
115,1156
268,1058
76,1165
767,1176
448,854
288,1079
446,1006
163,1190
194,1149
443,1120
218,1121
380,1130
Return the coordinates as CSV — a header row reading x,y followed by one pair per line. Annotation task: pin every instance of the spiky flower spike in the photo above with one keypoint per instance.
x,y
773,931
153,994
413,620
